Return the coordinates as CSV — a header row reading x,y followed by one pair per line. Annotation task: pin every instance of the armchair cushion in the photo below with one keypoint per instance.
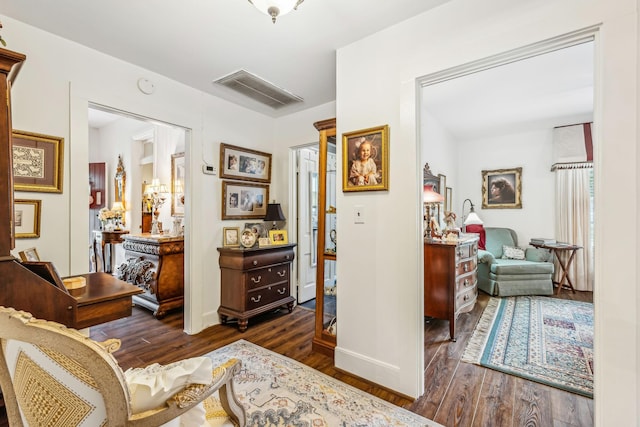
x,y
151,386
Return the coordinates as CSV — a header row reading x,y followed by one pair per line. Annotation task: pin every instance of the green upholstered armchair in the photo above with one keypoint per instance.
x,y
506,275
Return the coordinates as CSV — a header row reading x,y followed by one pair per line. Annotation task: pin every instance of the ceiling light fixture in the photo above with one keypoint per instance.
x,y
275,8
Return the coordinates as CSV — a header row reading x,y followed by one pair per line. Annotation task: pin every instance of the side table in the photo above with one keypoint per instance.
x,y
564,261
111,238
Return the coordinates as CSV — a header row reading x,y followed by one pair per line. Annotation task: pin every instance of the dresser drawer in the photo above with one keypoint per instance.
x,y
265,276
466,281
466,298
466,251
259,297
466,266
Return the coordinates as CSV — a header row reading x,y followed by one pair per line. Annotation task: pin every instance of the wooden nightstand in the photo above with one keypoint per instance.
x,y
254,281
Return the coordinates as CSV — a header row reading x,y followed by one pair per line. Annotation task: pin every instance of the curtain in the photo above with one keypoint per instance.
x,y
574,220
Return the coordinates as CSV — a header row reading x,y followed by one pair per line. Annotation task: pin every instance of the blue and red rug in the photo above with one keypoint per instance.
x,y
543,339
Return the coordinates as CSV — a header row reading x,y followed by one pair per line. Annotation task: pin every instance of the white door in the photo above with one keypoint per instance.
x,y
307,223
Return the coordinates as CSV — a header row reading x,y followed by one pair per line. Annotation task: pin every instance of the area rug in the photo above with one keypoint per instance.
x,y
278,391
547,340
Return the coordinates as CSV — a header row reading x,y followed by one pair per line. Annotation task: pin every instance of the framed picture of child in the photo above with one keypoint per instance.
x,y
244,164
365,159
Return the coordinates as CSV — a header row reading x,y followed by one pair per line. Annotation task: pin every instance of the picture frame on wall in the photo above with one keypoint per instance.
x,y
26,218
502,189
178,176
244,200
37,162
244,164
365,159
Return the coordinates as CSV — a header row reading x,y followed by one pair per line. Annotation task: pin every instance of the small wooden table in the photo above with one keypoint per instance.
x,y
111,238
558,249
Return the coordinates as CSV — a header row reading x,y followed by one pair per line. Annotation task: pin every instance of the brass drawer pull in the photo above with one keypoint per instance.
x,y
459,252
253,279
282,273
255,262
465,268
287,256
466,297
282,291
253,299
466,282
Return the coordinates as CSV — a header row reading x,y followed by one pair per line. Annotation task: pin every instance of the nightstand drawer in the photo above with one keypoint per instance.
x,y
269,258
262,296
265,276
466,251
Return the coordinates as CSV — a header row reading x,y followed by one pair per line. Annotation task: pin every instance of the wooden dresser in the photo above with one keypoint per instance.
x,y
156,264
450,279
253,281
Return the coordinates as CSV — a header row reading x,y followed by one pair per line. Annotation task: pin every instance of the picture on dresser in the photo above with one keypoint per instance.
x,y
243,200
231,236
258,228
244,164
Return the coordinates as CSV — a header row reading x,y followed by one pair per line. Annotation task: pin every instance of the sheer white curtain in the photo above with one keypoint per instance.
x,y
573,220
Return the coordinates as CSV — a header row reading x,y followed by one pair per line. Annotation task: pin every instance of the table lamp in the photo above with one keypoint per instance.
x,y
274,213
429,197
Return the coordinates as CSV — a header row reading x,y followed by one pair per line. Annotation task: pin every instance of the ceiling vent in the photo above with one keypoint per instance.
x,y
258,89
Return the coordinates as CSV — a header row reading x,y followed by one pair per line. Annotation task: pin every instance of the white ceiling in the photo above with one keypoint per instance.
x,y
198,41
554,89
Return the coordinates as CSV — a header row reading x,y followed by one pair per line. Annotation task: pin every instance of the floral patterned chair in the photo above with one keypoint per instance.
x,y
52,375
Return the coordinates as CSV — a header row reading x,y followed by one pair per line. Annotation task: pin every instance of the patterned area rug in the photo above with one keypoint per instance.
x,y
279,391
542,339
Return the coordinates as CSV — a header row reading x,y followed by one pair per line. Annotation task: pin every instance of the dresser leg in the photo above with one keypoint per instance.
x,y
290,307
243,324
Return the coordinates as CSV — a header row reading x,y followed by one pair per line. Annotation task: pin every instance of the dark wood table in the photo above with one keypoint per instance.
x,y
111,238
105,298
559,249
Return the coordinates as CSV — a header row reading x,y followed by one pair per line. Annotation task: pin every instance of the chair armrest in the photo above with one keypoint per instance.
x,y
538,254
193,394
485,256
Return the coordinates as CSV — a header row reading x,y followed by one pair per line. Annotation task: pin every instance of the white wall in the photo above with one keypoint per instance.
x,y
532,151
51,96
382,285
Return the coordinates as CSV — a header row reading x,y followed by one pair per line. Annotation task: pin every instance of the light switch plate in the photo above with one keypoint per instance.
x,y
358,214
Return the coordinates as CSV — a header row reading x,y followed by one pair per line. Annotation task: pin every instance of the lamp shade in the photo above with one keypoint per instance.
x,y
274,213
473,219
430,196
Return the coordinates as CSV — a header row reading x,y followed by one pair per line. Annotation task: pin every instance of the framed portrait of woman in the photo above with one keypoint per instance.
x,y
502,189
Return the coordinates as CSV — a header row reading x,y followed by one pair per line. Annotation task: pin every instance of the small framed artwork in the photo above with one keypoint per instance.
x,y
37,162
258,228
502,189
26,218
243,200
264,241
278,237
442,179
365,159
244,164
177,184
30,254
231,236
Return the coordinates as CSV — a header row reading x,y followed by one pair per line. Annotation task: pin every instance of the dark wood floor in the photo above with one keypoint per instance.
x,y
457,393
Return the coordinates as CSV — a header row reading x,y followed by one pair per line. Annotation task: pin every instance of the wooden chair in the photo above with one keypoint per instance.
x,y
53,375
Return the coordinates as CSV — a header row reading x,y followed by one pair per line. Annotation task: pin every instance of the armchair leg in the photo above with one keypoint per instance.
x,y
231,405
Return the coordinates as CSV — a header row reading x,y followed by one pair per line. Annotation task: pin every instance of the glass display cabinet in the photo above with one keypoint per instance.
x,y
324,340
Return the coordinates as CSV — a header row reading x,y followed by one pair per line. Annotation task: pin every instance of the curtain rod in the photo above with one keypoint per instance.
x,y
571,165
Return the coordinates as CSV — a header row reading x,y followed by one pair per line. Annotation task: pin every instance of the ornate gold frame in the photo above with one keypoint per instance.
x,y
378,137
37,162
